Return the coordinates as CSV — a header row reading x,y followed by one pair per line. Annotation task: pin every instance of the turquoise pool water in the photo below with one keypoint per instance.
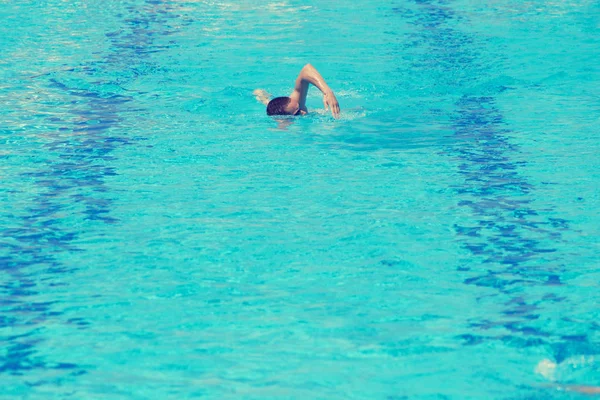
x,y
162,238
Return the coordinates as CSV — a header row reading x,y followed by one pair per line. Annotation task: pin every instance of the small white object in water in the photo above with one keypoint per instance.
x,y
582,368
547,369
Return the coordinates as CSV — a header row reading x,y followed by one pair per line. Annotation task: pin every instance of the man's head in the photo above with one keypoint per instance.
x,y
283,106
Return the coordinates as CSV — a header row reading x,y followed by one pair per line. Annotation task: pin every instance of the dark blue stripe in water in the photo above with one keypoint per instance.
x,y
499,198
82,161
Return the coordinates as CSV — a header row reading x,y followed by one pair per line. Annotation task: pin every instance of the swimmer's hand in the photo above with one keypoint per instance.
x,y
262,96
330,102
309,75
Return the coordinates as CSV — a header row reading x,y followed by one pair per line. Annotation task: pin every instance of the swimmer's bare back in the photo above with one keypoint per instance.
x,y
295,104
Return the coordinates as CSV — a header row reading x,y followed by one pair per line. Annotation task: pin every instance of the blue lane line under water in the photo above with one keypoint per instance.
x,y
496,192
83,162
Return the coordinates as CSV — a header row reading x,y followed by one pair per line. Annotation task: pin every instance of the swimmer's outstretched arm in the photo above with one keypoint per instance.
x,y
262,96
308,75
591,390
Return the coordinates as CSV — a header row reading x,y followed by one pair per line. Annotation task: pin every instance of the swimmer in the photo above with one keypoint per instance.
x,y
296,103
550,370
